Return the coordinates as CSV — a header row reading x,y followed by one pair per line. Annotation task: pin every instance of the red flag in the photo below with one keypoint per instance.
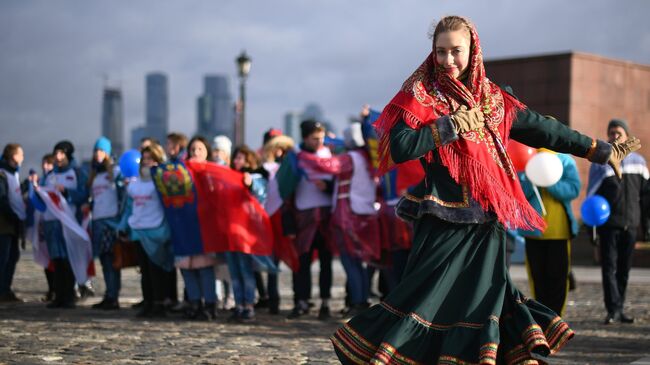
x,y
408,174
230,217
283,249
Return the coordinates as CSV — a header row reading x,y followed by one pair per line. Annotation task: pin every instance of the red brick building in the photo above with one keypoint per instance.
x,y
585,90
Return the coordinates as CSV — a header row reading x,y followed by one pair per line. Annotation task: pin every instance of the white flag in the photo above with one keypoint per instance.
x,y
77,241
39,247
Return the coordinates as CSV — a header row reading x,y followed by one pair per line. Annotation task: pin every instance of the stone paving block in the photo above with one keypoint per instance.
x,y
31,334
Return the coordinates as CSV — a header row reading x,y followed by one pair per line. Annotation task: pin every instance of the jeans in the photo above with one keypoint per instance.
x,y
242,278
357,285
112,277
101,231
200,283
270,290
53,231
9,255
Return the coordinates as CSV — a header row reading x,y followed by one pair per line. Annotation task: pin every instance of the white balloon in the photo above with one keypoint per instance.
x,y
544,169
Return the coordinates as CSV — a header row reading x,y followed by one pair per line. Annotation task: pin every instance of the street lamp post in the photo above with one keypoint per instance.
x,y
243,68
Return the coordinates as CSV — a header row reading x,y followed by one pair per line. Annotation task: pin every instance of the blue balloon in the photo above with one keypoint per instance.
x,y
595,211
130,163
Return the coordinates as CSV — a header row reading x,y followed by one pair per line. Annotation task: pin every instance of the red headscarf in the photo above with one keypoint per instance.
x,y
478,159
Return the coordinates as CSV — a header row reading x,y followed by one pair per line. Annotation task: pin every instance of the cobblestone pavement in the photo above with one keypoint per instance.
x,y
31,334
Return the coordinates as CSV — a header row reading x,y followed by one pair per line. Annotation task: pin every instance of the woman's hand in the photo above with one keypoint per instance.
x,y
620,150
466,120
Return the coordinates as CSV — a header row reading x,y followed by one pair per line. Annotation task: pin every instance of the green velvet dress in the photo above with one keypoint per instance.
x,y
456,303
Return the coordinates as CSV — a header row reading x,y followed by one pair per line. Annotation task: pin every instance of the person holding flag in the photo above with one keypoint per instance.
x,y
197,269
240,264
67,243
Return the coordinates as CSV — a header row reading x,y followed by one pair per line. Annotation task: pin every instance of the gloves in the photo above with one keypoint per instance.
x,y
465,120
620,150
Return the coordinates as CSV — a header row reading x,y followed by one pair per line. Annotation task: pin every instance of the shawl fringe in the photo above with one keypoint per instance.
x,y
489,193
389,117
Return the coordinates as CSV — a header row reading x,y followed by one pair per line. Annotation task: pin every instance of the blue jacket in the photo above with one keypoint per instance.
x,y
565,190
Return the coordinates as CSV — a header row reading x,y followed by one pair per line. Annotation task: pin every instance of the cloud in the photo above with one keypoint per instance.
x,y
337,53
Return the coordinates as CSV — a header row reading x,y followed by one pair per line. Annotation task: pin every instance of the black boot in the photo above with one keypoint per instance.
x,y
202,314
274,306
111,304
49,296
99,305
144,310
324,313
192,312
69,294
211,310
158,310
58,281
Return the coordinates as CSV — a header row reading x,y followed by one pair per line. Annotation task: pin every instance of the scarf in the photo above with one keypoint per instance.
x,y
478,159
15,197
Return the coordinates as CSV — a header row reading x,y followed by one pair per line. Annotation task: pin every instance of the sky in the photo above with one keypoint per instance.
x,y
341,54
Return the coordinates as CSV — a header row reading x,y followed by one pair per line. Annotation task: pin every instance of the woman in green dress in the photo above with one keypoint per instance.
x,y
456,303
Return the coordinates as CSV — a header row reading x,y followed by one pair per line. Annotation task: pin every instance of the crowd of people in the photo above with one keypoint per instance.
x,y
226,217
320,204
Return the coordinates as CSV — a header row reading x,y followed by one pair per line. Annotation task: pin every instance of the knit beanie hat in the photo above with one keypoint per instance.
x,y
353,137
619,123
308,127
222,143
66,147
103,144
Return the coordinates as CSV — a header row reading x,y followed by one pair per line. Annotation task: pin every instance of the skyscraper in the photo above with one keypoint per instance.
x,y
157,112
137,134
293,119
292,122
215,108
113,119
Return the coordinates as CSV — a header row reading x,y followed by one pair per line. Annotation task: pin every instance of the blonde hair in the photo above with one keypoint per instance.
x,y
450,23
156,151
283,143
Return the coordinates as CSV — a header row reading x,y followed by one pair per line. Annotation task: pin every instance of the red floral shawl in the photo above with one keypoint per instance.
x,y
478,159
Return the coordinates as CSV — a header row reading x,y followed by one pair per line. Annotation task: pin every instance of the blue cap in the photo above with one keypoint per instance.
x,y
103,144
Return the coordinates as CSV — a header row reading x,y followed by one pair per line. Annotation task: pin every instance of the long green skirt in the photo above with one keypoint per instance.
x,y
456,304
